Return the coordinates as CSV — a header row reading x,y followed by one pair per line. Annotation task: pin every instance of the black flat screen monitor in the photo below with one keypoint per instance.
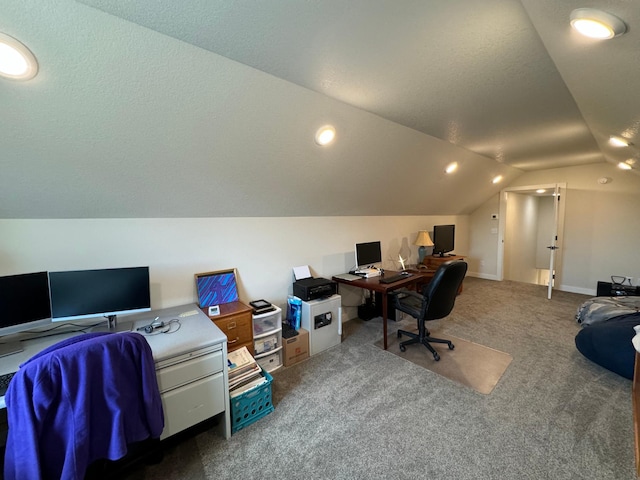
x,y
443,239
84,294
368,254
24,304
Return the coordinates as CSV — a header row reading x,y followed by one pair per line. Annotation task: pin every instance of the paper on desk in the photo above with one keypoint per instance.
x,y
301,272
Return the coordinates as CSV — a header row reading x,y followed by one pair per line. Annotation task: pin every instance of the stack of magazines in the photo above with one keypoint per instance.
x,y
244,372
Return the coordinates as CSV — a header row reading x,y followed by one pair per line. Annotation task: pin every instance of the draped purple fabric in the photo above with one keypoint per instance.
x,y
83,399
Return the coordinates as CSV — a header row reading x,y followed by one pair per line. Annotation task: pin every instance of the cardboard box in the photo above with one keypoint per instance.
x,y
296,349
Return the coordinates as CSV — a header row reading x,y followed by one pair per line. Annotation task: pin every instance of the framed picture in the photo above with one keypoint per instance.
x,y
216,288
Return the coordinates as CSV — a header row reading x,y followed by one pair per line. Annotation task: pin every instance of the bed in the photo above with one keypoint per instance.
x,y
608,328
604,309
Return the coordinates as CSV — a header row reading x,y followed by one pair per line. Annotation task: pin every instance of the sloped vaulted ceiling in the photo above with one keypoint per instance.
x,y
127,118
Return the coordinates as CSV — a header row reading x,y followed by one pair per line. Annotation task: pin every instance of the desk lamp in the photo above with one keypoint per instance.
x,y
423,240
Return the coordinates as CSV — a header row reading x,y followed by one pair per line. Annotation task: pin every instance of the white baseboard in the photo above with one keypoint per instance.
x,y
563,288
485,276
583,291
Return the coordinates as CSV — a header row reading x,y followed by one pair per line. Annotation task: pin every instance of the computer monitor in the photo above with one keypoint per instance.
x,y
24,304
90,294
368,254
443,239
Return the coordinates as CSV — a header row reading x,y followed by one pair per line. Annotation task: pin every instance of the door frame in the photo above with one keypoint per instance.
x,y
559,187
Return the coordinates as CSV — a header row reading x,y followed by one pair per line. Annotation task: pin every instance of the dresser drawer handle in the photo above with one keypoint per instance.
x,y
231,325
234,340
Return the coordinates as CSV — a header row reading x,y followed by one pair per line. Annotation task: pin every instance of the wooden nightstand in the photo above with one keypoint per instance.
x,y
236,322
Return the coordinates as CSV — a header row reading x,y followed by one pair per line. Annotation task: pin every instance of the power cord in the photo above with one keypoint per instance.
x,y
172,326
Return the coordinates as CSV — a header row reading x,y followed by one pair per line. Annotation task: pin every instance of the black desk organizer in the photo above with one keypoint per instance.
x,y
610,289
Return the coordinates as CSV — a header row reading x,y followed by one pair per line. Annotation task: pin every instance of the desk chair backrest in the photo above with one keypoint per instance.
x,y
440,293
83,399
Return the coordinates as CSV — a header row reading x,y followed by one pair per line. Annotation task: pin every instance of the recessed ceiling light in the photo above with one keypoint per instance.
x,y
325,135
452,167
496,179
624,166
618,141
540,190
16,60
594,23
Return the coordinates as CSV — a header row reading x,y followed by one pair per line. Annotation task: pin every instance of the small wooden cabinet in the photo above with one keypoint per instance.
x,y
433,262
235,321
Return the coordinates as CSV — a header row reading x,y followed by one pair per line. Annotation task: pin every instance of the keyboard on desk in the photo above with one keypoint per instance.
x,y
394,278
4,382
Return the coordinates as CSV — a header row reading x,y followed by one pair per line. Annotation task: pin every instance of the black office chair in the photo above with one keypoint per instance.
x,y
435,302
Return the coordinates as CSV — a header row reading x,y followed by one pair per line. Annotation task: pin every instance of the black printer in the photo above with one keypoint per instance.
x,y
313,288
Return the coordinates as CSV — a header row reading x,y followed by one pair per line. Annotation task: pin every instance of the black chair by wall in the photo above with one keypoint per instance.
x,y
435,302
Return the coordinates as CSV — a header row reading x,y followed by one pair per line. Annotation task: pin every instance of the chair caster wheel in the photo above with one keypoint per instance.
x,y
403,348
436,357
451,346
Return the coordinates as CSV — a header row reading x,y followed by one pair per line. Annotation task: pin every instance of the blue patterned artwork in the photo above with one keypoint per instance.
x,y
217,288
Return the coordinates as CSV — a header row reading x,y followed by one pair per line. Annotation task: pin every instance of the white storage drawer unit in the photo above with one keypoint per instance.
x,y
270,361
267,339
266,344
267,322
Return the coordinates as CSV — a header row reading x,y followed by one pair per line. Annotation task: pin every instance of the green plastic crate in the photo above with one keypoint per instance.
x,y
252,405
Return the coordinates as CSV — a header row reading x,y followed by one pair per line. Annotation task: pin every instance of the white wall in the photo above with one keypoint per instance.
x,y
601,229
263,250
546,219
483,242
520,238
600,239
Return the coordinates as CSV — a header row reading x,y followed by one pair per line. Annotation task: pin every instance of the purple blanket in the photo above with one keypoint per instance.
x,y
80,400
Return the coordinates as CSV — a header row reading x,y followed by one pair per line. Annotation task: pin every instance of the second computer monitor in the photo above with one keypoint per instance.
x,y
443,239
89,294
368,254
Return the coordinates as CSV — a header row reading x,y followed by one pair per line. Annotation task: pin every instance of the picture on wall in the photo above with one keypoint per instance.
x,y
216,288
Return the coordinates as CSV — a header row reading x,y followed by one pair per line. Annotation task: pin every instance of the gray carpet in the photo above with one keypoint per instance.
x,y
358,412
472,365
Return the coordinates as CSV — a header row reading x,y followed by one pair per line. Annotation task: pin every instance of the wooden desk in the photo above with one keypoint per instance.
x,y
427,275
433,262
374,285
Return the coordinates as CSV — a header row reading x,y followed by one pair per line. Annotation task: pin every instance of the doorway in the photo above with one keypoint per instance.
x,y
530,227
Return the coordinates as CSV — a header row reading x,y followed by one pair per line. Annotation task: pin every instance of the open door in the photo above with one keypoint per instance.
x,y
554,240
530,229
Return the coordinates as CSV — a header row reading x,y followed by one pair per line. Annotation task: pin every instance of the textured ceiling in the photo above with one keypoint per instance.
x,y
197,108
505,79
